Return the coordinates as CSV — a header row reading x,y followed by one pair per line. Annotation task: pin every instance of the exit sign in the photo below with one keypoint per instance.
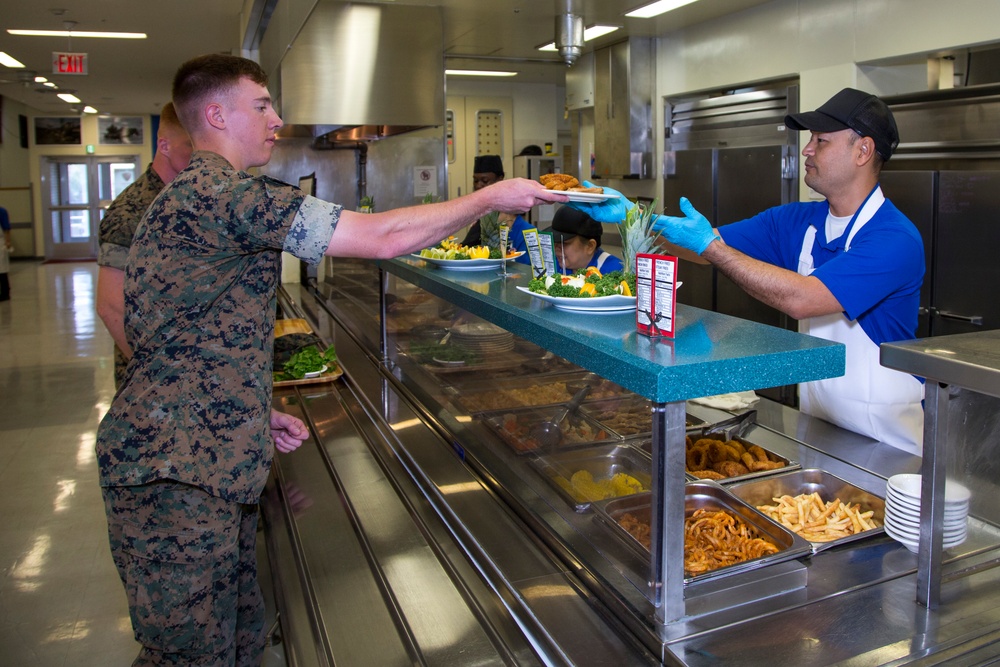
x,y
69,63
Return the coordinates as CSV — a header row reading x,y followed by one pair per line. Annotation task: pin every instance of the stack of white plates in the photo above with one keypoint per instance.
x,y
482,338
902,511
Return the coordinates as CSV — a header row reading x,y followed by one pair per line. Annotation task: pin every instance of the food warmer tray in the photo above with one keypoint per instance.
x,y
513,427
630,415
808,480
601,462
522,392
696,434
711,496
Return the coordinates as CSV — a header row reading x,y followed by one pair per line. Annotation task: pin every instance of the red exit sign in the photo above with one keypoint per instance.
x,y
69,63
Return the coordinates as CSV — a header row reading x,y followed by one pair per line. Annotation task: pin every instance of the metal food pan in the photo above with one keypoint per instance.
x,y
692,437
630,416
809,480
522,392
601,462
514,428
713,497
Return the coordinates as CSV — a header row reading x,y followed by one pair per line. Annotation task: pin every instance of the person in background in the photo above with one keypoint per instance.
x,y
173,151
849,268
576,243
487,170
5,249
186,446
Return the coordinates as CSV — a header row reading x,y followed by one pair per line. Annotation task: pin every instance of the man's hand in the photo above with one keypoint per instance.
x,y
693,232
288,432
611,211
518,195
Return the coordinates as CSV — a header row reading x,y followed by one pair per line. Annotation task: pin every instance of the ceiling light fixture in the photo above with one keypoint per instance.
x,y
40,79
657,8
78,33
593,32
89,109
10,61
478,72
49,84
69,97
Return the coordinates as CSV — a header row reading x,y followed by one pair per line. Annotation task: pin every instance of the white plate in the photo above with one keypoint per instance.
x,y
445,362
584,196
594,304
467,264
909,485
316,374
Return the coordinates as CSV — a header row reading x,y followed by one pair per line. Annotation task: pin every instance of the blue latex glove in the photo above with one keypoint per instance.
x,y
693,231
612,211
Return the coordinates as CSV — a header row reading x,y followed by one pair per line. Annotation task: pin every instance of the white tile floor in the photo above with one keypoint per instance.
x,y
61,602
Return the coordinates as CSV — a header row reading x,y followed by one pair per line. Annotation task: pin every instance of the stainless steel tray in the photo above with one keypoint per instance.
x,y
630,416
808,480
601,462
695,435
513,427
710,496
523,392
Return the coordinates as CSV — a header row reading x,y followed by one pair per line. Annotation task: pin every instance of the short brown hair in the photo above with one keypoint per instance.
x,y
204,75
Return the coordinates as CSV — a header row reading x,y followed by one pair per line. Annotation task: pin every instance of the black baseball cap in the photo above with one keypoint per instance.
x,y
856,110
569,222
488,164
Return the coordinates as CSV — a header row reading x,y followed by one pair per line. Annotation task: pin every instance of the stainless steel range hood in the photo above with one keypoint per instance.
x,y
364,72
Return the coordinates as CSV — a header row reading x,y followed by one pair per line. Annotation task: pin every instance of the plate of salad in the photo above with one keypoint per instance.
x,y
309,364
457,257
586,291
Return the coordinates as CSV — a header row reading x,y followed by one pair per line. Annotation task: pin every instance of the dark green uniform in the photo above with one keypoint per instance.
x,y
200,290
117,230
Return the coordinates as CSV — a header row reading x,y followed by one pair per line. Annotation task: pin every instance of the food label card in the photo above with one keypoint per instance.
x,y
548,255
504,238
534,252
655,285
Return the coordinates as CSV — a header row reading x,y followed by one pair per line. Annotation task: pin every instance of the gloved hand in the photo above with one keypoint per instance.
x,y
693,231
612,211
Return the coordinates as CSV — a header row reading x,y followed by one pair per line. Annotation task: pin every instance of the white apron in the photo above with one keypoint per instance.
x,y
869,398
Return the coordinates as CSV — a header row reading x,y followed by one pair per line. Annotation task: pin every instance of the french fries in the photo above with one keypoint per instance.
x,y
817,521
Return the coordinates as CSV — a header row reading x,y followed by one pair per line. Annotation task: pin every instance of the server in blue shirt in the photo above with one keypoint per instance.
x,y
848,268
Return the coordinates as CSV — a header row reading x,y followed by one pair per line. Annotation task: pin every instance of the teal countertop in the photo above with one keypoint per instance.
x,y
710,353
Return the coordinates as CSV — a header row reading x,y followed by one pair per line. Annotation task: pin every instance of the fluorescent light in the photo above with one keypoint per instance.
x,y
78,33
49,84
89,109
657,8
69,97
9,61
477,72
40,79
593,32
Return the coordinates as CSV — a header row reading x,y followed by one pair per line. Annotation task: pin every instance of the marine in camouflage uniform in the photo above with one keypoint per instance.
x,y
117,230
185,449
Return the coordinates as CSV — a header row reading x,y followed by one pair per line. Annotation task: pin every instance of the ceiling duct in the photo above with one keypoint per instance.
x,y
364,72
569,31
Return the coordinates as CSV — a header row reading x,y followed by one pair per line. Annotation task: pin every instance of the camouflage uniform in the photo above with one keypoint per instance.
x,y
117,230
200,290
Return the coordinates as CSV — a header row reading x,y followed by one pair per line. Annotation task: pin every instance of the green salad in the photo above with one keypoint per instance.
x,y
307,360
585,283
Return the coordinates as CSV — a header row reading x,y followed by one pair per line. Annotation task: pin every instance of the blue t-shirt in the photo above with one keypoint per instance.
x,y
877,281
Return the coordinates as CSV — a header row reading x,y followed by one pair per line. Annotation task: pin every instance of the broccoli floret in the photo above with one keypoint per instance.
x,y
558,289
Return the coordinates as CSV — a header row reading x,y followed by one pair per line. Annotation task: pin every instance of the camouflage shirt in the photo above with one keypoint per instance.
x,y
200,288
116,232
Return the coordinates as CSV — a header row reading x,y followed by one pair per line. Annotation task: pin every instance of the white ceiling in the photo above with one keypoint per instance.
x,y
134,76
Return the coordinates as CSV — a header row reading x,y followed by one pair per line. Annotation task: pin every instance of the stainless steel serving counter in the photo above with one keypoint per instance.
x,y
419,521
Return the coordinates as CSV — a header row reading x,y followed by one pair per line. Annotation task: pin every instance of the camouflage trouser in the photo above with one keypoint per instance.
x,y
189,566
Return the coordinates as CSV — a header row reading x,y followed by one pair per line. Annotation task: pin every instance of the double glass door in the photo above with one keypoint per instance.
x,y
75,194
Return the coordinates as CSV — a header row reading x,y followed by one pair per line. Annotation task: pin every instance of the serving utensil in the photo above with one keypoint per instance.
x,y
549,433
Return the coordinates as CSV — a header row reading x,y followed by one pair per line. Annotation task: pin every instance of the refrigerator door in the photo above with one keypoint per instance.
x,y
913,194
966,270
749,182
689,174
